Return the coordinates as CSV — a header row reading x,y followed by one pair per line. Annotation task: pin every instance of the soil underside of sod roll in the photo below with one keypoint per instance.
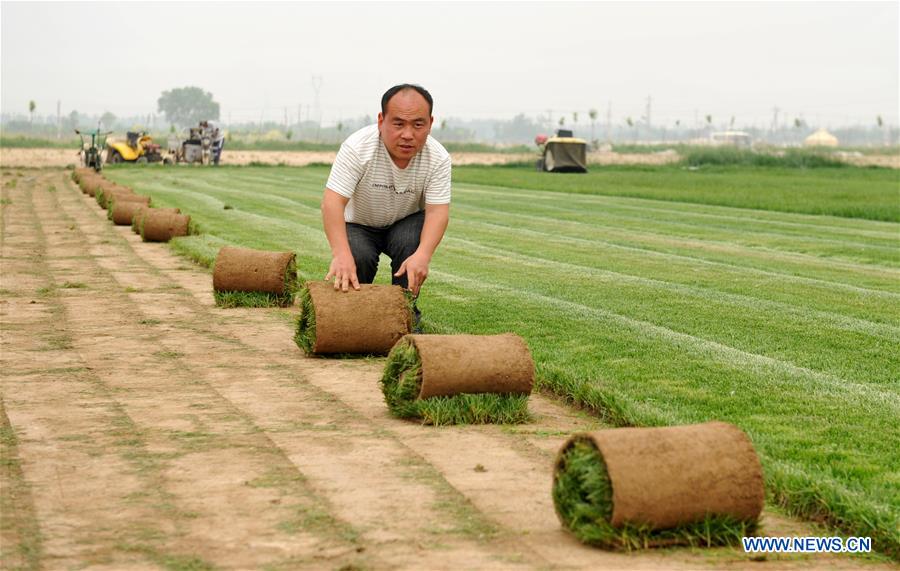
x,y
401,384
368,321
137,219
583,497
254,278
163,226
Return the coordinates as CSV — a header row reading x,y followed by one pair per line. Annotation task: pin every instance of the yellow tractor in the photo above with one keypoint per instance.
x,y
138,147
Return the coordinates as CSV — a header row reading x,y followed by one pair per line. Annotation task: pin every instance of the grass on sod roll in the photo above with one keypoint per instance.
x,y
402,380
262,298
653,296
582,493
305,336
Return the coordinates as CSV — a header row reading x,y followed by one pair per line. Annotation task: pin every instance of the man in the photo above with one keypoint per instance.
x,y
388,192
217,139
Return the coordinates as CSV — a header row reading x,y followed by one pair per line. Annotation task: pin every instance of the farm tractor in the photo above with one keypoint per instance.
x,y
92,144
138,147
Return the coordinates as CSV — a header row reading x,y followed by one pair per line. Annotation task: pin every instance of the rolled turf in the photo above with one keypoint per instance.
x,y
459,379
158,226
630,488
368,321
138,216
243,277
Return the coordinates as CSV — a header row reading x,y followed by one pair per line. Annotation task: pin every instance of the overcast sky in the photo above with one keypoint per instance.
x,y
833,63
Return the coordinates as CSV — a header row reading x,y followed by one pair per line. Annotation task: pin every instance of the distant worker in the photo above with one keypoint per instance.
x,y
217,137
388,192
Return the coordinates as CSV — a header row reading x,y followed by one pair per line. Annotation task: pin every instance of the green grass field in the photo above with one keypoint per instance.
x,y
654,296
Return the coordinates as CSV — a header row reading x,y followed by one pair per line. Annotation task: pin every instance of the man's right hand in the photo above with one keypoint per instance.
x,y
343,270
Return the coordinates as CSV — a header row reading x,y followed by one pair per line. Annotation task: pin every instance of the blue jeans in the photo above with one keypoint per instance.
x,y
399,241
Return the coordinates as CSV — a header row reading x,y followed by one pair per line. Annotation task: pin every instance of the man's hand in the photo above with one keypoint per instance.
x,y
416,269
343,269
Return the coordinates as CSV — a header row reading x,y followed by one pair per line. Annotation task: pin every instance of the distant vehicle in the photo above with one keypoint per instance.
x,y
562,153
138,147
92,144
202,144
738,139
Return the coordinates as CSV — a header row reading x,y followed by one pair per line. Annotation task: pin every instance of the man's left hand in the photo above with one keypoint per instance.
x,y
416,269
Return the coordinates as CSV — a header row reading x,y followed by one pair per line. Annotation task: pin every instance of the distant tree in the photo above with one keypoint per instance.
x,y
709,119
288,135
731,124
629,121
879,121
798,123
443,124
31,107
188,106
340,126
562,121
593,115
108,120
575,117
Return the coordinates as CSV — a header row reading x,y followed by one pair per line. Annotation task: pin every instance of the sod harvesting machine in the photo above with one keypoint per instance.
x,y
562,153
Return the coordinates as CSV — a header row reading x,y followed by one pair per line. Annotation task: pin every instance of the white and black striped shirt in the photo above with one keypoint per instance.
x,y
380,193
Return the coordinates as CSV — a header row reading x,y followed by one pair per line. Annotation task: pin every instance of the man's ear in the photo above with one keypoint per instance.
x,y
380,119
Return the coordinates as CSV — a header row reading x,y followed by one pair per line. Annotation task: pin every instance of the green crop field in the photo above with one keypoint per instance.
x,y
652,296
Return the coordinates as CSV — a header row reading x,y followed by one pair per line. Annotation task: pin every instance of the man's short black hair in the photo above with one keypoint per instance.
x,y
403,86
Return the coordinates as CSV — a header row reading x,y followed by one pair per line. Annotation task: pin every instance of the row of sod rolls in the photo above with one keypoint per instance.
x,y
124,207
629,488
459,379
243,277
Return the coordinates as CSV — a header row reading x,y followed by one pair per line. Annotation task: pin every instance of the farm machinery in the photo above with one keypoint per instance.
x,y
138,147
562,153
92,144
202,144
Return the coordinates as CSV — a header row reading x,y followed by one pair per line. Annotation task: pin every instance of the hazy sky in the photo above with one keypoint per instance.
x,y
834,63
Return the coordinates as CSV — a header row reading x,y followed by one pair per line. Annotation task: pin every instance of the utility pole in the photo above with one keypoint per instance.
x,y
609,122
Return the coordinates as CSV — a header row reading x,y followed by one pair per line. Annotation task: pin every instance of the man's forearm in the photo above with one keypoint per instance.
x,y
437,216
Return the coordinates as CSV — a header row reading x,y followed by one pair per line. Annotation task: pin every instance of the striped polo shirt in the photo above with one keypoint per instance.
x,y
380,193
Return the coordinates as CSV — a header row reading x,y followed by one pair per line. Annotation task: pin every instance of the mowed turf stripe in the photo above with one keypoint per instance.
x,y
834,299
795,338
787,223
798,310
846,192
813,267
883,252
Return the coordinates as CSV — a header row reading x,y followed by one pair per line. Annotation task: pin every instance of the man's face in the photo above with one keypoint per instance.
x,y
405,125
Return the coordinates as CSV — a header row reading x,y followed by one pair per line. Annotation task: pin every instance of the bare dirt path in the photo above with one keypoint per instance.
x,y
144,428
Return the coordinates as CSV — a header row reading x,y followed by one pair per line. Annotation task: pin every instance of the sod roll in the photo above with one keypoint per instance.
x,y
106,193
89,183
123,212
159,226
80,172
245,269
368,321
457,364
623,485
138,217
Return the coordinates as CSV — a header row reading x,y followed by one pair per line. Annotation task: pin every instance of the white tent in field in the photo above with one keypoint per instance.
x,y
821,138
